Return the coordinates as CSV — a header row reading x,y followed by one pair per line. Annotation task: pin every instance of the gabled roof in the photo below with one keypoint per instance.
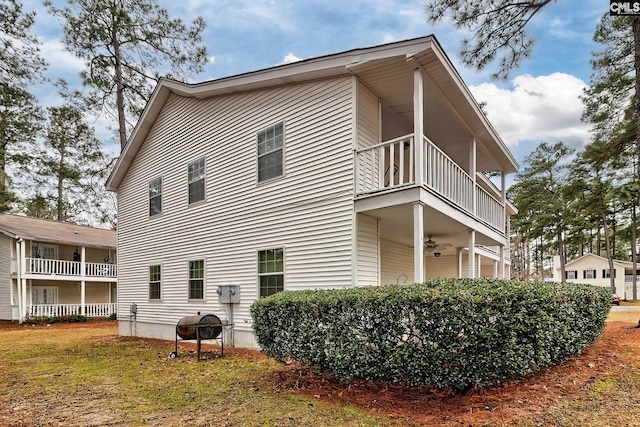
x,y
625,264
22,227
375,65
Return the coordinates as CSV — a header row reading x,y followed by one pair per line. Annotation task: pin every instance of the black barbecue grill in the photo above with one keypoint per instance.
x,y
199,328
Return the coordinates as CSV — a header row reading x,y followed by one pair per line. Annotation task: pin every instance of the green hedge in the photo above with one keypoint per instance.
x,y
72,318
455,333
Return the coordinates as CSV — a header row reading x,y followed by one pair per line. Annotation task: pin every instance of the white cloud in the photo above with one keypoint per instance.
x,y
289,58
212,60
543,108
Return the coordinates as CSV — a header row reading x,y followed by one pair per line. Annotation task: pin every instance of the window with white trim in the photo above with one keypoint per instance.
x,y
43,250
571,274
271,271
195,176
196,279
606,273
271,152
155,196
589,273
44,295
155,275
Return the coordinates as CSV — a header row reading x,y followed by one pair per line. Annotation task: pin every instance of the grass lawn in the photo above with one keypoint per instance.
x,y
88,376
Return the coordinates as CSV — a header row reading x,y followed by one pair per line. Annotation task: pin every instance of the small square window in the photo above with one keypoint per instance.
x,y
571,274
155,196
196,279
606,273
589,274
154,282
196,177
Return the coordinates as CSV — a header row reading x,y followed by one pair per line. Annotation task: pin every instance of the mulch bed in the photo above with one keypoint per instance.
x,y
511,401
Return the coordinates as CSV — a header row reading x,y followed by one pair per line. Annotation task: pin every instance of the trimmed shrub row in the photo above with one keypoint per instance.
x,y
72,318
453,333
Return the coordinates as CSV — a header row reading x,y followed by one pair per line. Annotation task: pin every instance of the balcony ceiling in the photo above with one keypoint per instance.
x,y
451,115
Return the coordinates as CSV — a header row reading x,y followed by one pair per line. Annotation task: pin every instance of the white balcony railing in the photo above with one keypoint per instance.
x,y
57,267
390,165
56,310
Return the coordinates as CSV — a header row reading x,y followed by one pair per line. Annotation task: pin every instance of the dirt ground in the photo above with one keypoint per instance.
x,y
615,351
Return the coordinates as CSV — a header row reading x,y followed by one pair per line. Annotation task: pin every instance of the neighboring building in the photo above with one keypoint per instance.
x,y
594,270
50,268
359,168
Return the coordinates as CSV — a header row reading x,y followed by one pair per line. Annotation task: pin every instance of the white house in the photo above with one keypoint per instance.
x,y
50,268
359,168
594,270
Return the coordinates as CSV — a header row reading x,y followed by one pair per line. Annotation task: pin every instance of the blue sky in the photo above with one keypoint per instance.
x,y
539,102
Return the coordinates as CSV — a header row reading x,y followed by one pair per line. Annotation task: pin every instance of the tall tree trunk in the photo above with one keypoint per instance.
x,y
122,124
634,255
60,183
636,63
562,254
612,276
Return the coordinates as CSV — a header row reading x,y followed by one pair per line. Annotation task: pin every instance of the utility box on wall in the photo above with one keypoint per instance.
x,y
229,294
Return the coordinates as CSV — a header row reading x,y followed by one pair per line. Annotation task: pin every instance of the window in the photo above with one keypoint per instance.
x,y
42,250
44,295
271,152
571,274
155,196
196,180
196,279
606,273
154,282
271,271
589,274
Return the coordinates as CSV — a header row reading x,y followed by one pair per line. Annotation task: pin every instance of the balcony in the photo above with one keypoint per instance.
x,y
56,267
389,166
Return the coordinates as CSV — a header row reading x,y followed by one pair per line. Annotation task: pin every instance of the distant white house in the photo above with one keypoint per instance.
x,y
50,268
594,270
359,168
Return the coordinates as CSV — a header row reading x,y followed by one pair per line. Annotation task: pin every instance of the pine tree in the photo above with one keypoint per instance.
x,y
125,44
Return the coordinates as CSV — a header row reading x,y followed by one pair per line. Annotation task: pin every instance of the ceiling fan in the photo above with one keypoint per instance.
x,y
431,246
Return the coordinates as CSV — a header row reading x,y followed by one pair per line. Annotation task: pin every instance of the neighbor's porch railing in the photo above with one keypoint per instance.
x,y
70,268
56,310
390,165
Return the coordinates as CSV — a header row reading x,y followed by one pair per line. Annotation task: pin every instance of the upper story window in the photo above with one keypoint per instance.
x,y
154,282
196,279
571,274
155,196
196,174
606,273
43,250
271,271
271,152
589,274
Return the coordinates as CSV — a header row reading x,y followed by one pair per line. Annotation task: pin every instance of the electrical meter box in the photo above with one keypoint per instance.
x,y
229,294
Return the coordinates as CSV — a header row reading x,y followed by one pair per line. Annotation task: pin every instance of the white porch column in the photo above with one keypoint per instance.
x,y
501,266
495,269
472,254
472,173
82,281
459,260
418,242
23,282
418,126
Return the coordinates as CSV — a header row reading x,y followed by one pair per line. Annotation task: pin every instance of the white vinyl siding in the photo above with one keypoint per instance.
x,y
368,250
443,266
5,278
397,262
309,210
